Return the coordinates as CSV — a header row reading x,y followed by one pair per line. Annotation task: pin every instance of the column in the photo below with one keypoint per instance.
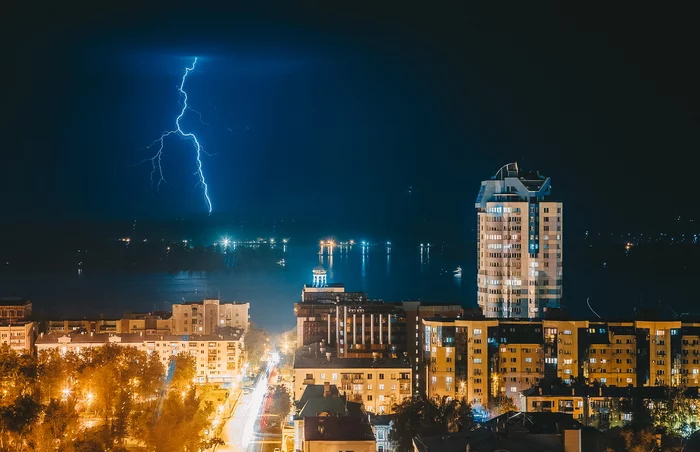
x,y
345,330
337,327
389,319
354,330
329,329
381,341
363,330
371,329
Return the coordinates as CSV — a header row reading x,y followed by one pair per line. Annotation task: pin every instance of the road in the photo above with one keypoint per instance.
x,y
240,432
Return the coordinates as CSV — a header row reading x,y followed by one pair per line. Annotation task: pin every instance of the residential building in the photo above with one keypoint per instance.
x,y
219,358
205,316
321,400
19,335
519,245
160,323
378,383
602,407
333,434
481,359
357,327
381,426
515,432
13,309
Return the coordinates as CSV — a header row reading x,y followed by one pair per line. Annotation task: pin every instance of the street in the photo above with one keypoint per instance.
x,y
241,430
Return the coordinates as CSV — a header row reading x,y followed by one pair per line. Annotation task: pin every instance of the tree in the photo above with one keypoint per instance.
x,y
420,416
281,402
256,342
17,419
58,426
502,404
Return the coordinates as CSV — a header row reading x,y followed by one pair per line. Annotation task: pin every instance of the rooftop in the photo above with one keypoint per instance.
x,y
333,428
311,357
133,338
312,391
14,301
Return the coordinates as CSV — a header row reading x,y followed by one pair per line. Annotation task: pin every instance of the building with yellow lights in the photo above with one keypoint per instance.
x,y
482,359
219,358
19,336
378,383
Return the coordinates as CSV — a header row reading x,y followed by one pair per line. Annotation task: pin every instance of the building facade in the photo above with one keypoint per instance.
x,y
19,336
481,360
219,359
357,327
519,245
206,316
13,309
377,383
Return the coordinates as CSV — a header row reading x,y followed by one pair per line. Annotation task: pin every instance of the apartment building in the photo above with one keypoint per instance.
x,y
144,323
519,245
483,358
206,316
14,309
219,358
357,327
378,383
18,335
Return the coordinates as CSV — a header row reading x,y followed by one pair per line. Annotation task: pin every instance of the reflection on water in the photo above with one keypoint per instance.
x,y
389,273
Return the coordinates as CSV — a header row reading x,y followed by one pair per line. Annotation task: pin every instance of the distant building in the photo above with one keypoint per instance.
x,y
332,434
19,335
206,316
15,308
519,245
219,358
377,383
145,323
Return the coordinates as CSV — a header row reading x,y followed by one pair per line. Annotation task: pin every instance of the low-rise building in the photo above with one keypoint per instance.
x,y
219,358
13,309
381,426
378,383
332,434
204,317
19,336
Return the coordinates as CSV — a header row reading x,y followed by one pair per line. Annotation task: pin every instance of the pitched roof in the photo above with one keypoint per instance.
x,y
343,428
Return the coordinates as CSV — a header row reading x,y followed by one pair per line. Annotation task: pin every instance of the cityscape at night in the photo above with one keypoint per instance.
x,y
390,227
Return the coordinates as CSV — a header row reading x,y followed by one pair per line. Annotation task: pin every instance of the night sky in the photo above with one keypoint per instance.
x,y
337,112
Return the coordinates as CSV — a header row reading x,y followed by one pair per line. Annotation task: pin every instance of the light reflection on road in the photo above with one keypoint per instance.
x,y
239,431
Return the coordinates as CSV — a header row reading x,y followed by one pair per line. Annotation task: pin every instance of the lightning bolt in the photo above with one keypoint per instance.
x,y
156,160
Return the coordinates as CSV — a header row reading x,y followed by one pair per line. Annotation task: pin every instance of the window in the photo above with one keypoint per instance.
x,y
369,376
477,331
322,376
592,360
513,389
381,386
381,398
381,376
603,380
369,387
477,360
369,397
567,331
334,377
528,360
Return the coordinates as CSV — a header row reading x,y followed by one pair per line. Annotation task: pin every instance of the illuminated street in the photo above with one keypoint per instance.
x,y
240,433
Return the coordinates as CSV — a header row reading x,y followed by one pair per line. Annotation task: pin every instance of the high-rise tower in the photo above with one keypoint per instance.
x,y
519,243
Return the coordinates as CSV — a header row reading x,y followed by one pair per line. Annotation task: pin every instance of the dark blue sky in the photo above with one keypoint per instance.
x,y
334,113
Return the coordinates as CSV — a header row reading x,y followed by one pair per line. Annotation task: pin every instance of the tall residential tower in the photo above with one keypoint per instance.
x,y
519,243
